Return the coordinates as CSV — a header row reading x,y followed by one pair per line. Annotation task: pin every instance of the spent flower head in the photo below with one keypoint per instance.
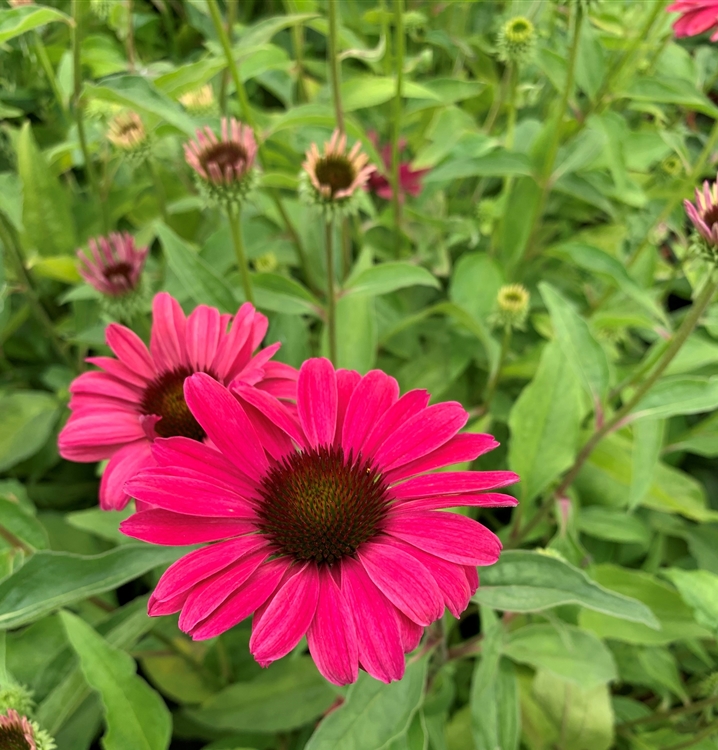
x,y
704,216
512,307
200,102
332,181
224,166
17,732
126,132
516,40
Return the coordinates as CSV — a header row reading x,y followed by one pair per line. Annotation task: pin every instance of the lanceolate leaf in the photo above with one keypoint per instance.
x,y
16,21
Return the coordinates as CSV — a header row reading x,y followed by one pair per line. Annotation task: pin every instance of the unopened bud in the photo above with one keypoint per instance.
x,y
512,303
516,40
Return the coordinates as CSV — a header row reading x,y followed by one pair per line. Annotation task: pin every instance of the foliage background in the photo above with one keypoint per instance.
x,y
597,628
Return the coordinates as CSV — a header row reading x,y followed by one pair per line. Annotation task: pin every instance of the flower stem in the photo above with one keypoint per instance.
x,y
41,53
130,38
161,194
331,292
78,109
233,213
496,373
617,421
335,64
231,16
396,119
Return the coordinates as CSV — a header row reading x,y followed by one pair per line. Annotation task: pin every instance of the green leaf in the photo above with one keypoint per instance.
x,y
613,525
499,163
46,214
674,396
675,618
475,282
356,333
544,423
524,581
584,718
16,21
591,61
373,713
568,652
28,418
647,444
190,76
101,523
699,589
388,277
295,685
138,93
666,90
200,280
50,580
22,524
514,235
702,438
284,295
135,715
365,91
262,31
582,351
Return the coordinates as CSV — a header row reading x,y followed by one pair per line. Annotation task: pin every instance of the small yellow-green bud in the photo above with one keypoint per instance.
x,y
200,102
266,263
127,134
512,307
487,213
516,40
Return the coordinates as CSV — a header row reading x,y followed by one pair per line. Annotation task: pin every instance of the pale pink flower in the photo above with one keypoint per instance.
x,y
704,214
114,266
336,174
225,160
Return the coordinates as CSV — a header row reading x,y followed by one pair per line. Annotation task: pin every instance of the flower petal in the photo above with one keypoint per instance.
x,y
410,404
159,526
93,437
271,408
127,462
167,340
375,393
130,350
410,632
202,337
347,381
317,401
452,482
471,500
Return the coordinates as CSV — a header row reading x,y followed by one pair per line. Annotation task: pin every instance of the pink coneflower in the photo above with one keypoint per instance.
x,y
697,16
118,413
19,733
115,265
331,526
225,166
704,214
409,179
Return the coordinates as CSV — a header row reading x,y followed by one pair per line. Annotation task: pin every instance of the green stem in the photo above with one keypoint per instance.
x,y
130,38
665,715
396,117
496,374
498,102
12,246
49,72
335,64
331,292
231,17
159,189
234,224
78,109
679,338
709,731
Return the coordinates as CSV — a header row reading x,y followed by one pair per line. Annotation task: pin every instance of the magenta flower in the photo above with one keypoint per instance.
x,y
119,413
697,16
704,214
115,266
409,179
327,525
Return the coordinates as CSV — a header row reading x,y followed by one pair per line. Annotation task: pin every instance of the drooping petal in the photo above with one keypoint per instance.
x,y
127,462
102,384
272,409
159,526
276,634
130,350
202,337
120,371
375,393
167,341
332,636
94,437
317,401
410,632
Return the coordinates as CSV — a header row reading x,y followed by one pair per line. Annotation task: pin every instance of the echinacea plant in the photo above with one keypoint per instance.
x,y
704,217
696,17
126,132
19,733
200,102
409,179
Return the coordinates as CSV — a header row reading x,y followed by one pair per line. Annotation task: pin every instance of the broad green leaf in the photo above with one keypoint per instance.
x,y
28,418
21,524
46,214
201,282
50,580
388,277
190,76
652,666
590,62
475,282
647,444
544,423
373,713
364,91
513,236
140,94
674,396
665,90
499,163
579,152
568,652
135,715
262,31
284,295
356,333
416,736
495,716
583,352
613,525
675,618
699,589
295,685
101,523
702,438
523,581
584,718
16,21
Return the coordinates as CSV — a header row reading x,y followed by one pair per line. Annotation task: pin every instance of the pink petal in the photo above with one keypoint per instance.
x,y
460,448
347,381
202,337
405,582
260,324
243,602
472,576
235,347
287,618
98,436
447,535
452,482
167,341
130,350
379,643
120,371
271,408
410,632
375,393
317,401
122,467
332,635
421,434
159,526
487,500
410,404
102,384
225,423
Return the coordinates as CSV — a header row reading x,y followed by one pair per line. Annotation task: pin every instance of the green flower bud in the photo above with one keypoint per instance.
x,y
16,696
512,304
516,40
266,263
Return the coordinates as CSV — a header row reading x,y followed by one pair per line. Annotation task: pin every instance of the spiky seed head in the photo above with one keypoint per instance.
x,y
512,307
516,40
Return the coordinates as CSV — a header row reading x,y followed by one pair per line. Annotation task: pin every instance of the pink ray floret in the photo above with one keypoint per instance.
x,y
409,178
115,264
697,16
137,396
224,160
16,731
337,174
704,213
323,521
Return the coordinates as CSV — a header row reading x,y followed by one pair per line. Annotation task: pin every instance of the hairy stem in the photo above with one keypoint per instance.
x,y
130,38
396,119
335,64
331,292
41,53
234,214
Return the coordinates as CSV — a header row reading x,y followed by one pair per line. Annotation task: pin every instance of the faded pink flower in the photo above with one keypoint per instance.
x,y
409,179
115,265
225,160
704,214
329,524
16,732
697,16
119,413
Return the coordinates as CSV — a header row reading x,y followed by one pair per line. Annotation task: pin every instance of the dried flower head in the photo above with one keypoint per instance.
x,y
17,697
224,166
516,40
697,16
200,102
704,215
127,134
19,733
114,266
331,181
512,304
